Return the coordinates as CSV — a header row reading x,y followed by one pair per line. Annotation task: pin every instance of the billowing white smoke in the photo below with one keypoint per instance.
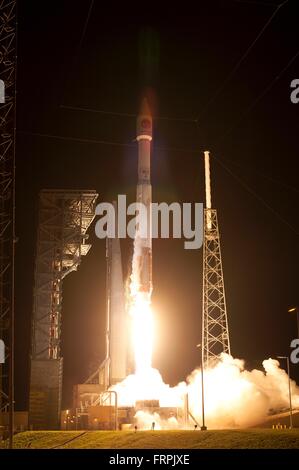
x,y
234,397
145,420
149,385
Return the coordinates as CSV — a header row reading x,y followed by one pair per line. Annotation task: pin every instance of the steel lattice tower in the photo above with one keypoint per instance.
x,y
64,218
8,62
215,332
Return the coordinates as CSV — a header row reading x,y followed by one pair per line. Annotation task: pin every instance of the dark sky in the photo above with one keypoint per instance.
x,y
245,118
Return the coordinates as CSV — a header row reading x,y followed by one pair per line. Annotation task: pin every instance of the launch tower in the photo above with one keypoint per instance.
x,y
64,217
215,333
8,63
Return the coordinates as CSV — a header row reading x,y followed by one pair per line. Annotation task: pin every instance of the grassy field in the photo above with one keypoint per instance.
x,y
226,439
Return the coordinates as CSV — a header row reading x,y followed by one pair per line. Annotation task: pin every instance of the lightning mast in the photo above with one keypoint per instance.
x,y
215,332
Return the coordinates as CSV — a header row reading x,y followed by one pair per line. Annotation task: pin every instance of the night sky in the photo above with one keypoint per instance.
x,y
213,99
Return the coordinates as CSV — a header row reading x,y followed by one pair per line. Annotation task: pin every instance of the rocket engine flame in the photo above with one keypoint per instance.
x,y
140,310
142,332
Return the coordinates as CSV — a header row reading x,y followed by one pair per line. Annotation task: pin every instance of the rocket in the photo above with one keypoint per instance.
x,y
144,195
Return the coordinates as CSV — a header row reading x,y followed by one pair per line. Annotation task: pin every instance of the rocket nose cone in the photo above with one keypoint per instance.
x,y
145,109
144,121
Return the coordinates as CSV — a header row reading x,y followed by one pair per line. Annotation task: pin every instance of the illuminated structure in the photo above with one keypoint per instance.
x,y
117,325
7,201
113,369
64,217
215,333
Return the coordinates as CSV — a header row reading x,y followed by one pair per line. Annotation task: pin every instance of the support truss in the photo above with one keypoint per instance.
x,y
64,217
215,333
7,200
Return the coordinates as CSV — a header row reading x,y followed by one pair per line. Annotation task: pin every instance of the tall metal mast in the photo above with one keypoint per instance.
x,y
215,333
8,62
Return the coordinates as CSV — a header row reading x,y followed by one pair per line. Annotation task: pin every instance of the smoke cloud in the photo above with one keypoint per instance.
x,y
234,397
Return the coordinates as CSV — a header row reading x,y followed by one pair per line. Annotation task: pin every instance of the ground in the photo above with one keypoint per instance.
x,y
224,439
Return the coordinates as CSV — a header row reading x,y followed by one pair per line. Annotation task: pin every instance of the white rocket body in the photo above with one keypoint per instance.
x,y
144,195
116,349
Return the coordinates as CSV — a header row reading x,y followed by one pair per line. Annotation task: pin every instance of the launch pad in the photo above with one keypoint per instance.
x,y
95,410
98,403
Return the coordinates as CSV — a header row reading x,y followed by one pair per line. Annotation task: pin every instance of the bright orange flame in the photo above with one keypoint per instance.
x,y
142,332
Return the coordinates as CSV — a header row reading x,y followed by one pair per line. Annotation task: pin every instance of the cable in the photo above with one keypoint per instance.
x,y
91,110
259,97
245,185
69,440
257,3
75,58
114,113
104,142
76,139
85,26
167,118
257,196
267,177
236,67
218,91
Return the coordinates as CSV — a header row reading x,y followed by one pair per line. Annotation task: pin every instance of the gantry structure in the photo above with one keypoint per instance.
x,y
63,219
8,65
